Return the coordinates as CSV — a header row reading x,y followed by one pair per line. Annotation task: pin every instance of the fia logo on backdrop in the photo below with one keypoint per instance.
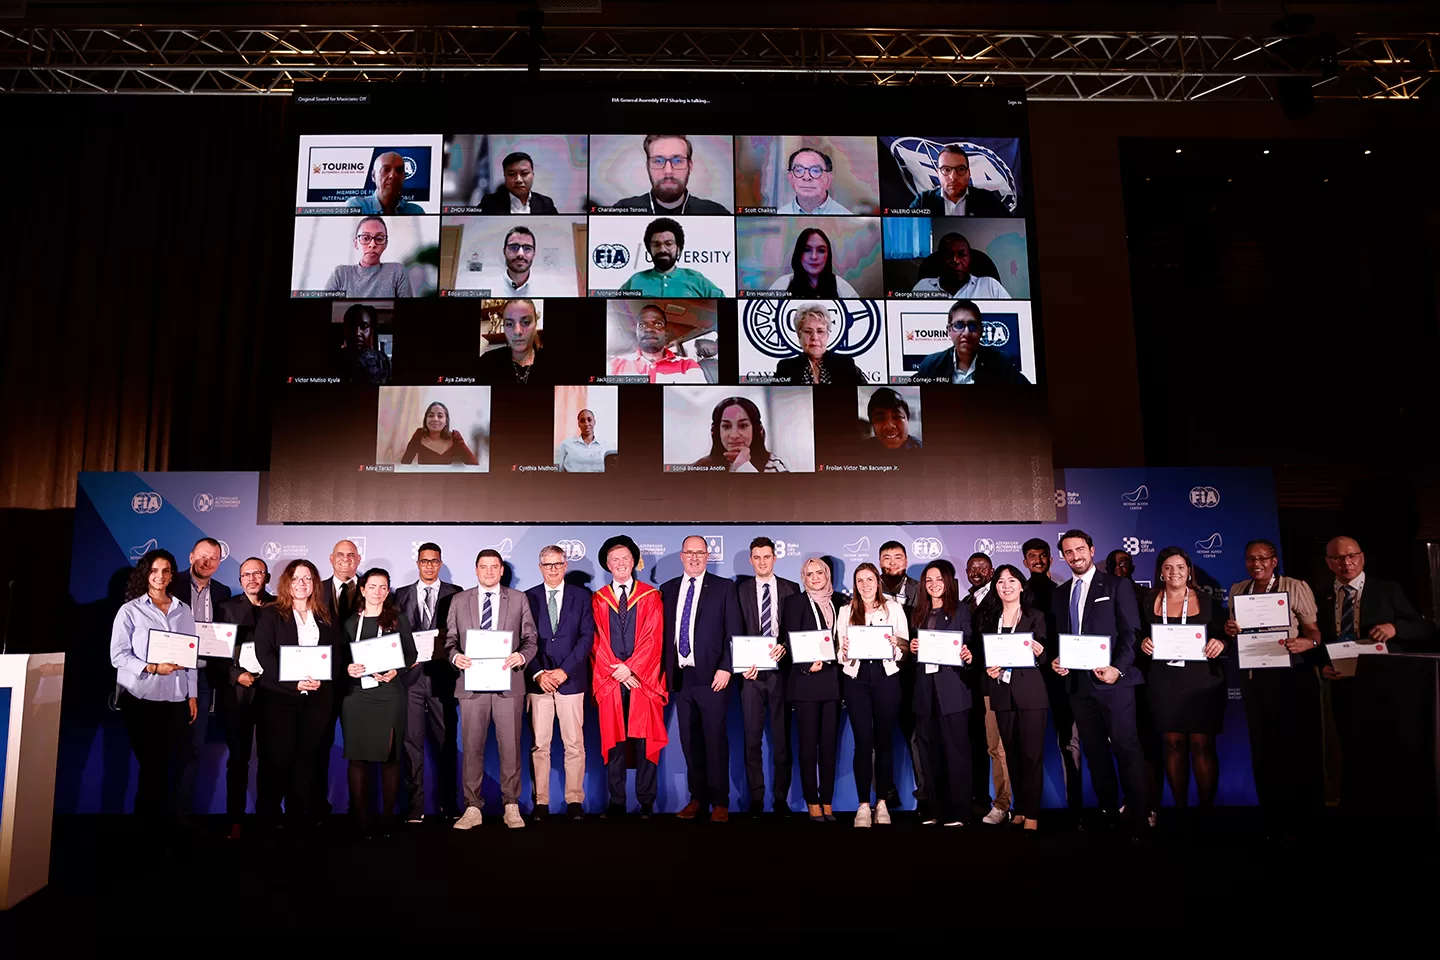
x,y
574,549
927,548
918,159
610,256
147,501
769,325
1204,497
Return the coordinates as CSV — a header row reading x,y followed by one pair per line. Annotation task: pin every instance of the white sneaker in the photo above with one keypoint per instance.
x,y
512,816
471,818
954,823
996,815
862,815
881,814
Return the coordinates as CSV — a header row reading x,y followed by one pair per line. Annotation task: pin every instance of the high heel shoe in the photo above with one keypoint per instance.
x,y
815,816
827,813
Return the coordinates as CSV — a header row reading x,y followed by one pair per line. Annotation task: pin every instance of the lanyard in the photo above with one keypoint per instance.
x,y
1184,608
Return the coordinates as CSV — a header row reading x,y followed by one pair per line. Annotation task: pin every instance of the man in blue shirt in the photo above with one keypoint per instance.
x,y
389,173
665,240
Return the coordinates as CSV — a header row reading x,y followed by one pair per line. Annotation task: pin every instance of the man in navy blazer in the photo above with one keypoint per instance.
x,y
557,680
430,686
1094,603
761,597
702,613
203,595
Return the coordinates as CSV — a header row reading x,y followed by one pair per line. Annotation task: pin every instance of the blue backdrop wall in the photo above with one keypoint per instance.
x,y
1210,512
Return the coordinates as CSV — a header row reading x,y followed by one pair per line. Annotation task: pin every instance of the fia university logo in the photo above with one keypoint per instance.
x,y
1204,497
919,161
769,325
610,256
147,501
574,549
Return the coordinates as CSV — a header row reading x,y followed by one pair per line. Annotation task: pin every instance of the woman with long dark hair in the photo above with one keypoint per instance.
x,y
814,688
434,442
372,715
737,439
942,699
812,271
1017,694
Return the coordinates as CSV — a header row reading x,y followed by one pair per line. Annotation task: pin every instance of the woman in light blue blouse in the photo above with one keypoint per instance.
x,y
157,700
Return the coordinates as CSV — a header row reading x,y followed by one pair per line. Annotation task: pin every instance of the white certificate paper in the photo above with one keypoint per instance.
x,y
747,652
870,643
425,644
176,648
1261,611
487,676
1350,649
1079,652
808,646
941,647
379,654
217,639
304,663
1263,650
489,644
1009,650
1178,641
247,659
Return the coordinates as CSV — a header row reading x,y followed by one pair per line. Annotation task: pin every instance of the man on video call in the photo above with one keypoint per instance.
x,y
966,361
953,258
669,161
955,197
519,253
889,415
389,171
653,357
811,173
515,195
665,241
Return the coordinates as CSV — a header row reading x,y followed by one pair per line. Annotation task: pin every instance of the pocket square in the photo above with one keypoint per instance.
x,y
1101,599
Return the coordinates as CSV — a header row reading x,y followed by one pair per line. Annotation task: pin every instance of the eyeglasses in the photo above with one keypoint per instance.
x,y
813,172
694,553
428,563
519,248
556,565
1345,557
366,239
974,326
653,324
302,579
1258,558
677,163
253,575
953,171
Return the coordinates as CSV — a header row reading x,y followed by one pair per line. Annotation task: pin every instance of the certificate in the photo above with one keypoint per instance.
x,y
247,659
747,652
1259,651
216,639
1009,650
487,676
425,644
304,663
870,643
489,644
941,646
1350,649
1260,611
807,646
379,654
1178,641
176,648
1078,652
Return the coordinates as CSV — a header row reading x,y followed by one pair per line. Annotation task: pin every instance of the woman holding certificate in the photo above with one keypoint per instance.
x,y
807,625
872,631
372,713
1187,680
296,699
942,698
1017,688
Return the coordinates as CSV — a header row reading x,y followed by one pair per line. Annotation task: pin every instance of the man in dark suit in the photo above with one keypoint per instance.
x,y
1358,608
1093,603
702,613
203,596
955,197
557,680
515,195
975,364
237,695
430,686
1042,594
761,597
340,593
896,582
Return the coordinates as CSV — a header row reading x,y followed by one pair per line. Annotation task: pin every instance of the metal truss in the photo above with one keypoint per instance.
x,y
1073,66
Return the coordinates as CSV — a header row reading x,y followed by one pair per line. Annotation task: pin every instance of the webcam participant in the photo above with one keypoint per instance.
x,y
515,194
363,360
519,252
653,356
583,453
665,241
966,361
817,364
811,173
389,171
737,439
890,421
669,161
954,277
524,362
435,443
811,271
955,197
370,279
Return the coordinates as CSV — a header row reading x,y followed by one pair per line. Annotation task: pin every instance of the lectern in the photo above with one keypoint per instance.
x,y
30,688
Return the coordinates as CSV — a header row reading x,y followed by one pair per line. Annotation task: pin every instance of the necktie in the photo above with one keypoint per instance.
x,y
1075,587
685,619
624,612
429,618
1347,612
485,613
554,613
347,597
765,609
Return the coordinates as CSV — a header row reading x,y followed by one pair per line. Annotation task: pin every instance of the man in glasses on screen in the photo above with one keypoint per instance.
x,y
389,173
811,173
669,161
665,241
653,357
519,251
955,197
952,257
966,361
370,279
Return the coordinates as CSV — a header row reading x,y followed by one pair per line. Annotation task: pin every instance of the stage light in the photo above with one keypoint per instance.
x,y
1177,149
1265,151
1367,153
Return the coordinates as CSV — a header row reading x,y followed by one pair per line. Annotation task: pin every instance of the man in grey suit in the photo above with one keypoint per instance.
x,y
490,606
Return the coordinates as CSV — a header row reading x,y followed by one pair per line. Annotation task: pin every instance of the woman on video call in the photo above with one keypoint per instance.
x,y
737,439
435,443
362,359
817,364
812,273
370,278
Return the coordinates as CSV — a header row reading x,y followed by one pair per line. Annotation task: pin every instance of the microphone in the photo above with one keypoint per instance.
x,y
9,605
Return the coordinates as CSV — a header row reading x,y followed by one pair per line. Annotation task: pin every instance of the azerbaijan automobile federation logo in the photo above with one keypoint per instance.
x,y
918,159
855,326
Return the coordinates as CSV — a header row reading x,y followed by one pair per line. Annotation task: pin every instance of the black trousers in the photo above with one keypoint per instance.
x,y
700,712
206,700
426,712
647,774
1282,712
1347,727
818,724
1107,726
1067,737
159,732
239,740
945,750
319,802
1023,734
906,719
873,701
766,691
290,731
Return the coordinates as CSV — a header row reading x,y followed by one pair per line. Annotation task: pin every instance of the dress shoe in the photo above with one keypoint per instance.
x,y
616,811
691,809
646,811
540,813
720,815
575,811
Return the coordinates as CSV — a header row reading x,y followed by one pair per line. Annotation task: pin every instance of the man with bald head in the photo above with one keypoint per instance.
x,y
340,593
389,171
1357,608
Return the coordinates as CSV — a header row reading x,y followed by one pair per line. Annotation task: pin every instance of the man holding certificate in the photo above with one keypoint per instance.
x,y
761,599
430,685
1098,620
478,618
238,696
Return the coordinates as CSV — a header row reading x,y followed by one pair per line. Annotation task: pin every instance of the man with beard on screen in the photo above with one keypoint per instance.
x,y
669,161
665,241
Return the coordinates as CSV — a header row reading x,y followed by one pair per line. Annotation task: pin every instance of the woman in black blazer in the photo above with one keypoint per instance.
x,y
817,364
942,700
291,717
1017,695
814,688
